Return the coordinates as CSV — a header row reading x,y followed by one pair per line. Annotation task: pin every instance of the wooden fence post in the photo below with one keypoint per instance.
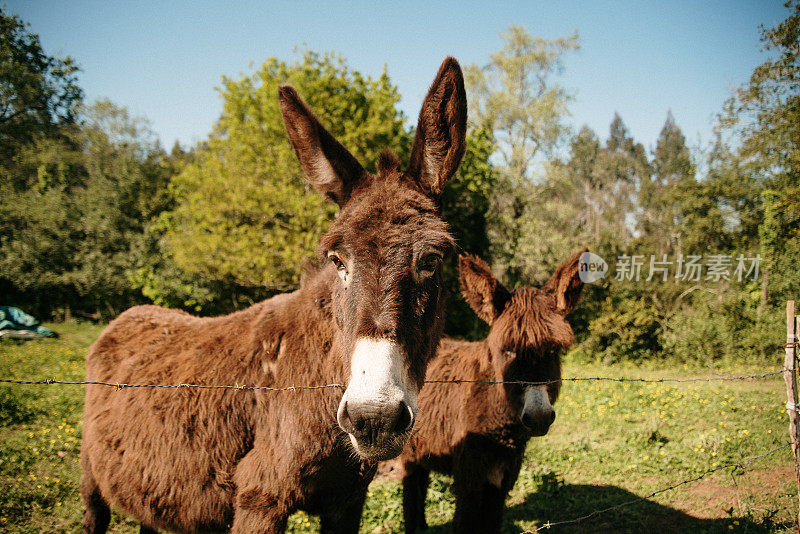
x,y
790,377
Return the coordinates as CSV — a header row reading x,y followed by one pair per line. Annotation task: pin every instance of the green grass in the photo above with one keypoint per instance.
x,y
612,442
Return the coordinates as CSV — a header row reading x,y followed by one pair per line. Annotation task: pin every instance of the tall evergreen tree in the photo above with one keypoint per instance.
x,y
660,194
619,172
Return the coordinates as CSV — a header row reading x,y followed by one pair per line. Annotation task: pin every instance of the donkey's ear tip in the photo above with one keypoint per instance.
x,y
451,67
578,255
287,91
468,262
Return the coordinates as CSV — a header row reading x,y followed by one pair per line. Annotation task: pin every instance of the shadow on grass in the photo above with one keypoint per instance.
x,y
555,501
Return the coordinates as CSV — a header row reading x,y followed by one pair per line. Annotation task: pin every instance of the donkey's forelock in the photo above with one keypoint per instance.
x,y
530,318
530,321
388,163
391,212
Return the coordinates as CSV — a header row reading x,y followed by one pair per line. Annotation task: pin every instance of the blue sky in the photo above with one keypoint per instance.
x,y
162,60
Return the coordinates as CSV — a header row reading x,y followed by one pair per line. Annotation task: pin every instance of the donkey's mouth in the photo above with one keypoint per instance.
x,y
381,450
537,431
538,426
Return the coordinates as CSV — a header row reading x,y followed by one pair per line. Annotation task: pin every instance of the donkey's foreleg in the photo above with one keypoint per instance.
x,y
480,489
258,511
263,500
347,520
415,489
258,522
97,514
491,508
479,505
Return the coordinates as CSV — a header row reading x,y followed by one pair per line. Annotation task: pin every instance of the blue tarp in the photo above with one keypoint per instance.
x,y
18,322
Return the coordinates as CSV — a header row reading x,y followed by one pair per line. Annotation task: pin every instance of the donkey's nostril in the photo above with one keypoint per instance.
x,y
405,418
538,423
343,417
527,420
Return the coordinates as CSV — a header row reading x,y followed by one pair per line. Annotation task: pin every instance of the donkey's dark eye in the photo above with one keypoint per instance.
x,y
336,261
341,268
428,264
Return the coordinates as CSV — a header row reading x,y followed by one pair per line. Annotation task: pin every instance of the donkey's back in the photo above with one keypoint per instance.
x,y
153,343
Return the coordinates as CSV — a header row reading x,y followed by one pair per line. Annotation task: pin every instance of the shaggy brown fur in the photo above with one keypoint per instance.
x,y
194,460
477,432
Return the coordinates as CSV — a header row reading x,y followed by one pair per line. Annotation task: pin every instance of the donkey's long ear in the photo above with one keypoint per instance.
x,y
330,168
485,295
441,132
566,284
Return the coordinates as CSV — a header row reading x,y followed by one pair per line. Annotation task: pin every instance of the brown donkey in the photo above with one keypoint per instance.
x,y
478,432
193,460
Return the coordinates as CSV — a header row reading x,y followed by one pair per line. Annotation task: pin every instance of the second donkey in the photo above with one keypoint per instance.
x,y
477,432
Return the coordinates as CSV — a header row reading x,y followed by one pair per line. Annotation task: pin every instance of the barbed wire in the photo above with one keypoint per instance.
x,y
609,379
121,385
742,465
118,386
447,381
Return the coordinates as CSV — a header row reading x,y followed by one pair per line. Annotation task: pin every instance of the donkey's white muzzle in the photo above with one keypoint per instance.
x,y
379,406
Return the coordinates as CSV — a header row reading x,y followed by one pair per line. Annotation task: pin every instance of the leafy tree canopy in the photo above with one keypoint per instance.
x,y
514,97
37,91
245,213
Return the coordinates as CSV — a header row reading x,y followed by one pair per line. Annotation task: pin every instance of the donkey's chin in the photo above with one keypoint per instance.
x,y
539,431
385,449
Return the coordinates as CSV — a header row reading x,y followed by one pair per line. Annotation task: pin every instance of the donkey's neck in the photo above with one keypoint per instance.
x,y
294,336
485,370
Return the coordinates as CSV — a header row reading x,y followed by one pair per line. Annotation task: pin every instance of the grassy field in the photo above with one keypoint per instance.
x,y
611,443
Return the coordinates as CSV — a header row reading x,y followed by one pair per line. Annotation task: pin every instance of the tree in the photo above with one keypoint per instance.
x,y
513,96
74,242
622,169
659,194
38,92
584,154
244,214
765,115
672,161
604,181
